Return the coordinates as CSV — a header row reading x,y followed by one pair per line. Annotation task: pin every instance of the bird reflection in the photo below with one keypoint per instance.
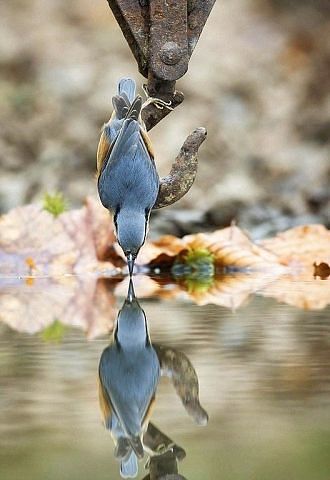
x,y
129,372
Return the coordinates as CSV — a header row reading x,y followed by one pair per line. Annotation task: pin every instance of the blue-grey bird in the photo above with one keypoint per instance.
x,y
128,377
128,181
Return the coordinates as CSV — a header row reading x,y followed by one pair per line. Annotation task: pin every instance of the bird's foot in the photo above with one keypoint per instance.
x,y
162,448
158,102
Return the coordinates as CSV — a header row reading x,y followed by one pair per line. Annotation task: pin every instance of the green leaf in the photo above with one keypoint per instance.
x,y
55,203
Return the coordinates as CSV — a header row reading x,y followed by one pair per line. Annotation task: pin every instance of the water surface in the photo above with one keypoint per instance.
x,y
263,373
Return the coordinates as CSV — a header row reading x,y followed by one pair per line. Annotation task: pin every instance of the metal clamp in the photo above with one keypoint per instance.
x,y
162,35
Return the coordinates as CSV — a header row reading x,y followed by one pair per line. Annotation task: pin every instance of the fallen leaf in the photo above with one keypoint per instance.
x,y
101,225
301,247
231,247
33,241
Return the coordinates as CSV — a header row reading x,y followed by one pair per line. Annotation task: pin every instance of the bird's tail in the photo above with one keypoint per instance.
x,y
127,104
127,89
129,466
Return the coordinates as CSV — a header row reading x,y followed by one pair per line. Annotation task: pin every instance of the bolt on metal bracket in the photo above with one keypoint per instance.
x,y
162,35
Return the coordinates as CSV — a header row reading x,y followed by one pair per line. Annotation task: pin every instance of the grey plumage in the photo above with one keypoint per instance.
x,y
128,182
129,178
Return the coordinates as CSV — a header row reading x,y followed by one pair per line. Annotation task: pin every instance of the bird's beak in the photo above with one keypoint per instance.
x,y
130,293
130,263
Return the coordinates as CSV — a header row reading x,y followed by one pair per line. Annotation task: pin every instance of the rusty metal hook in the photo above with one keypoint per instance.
x,y
162,37
183,172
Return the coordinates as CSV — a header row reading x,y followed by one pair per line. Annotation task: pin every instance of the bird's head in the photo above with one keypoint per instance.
x,y
131,328
131,228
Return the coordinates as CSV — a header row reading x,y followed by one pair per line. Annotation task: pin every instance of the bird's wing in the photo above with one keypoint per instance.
x,y
147,143
135,108
123,147
112,392
126,143
105,404
128,420
103,151
149,411
111,130
147,407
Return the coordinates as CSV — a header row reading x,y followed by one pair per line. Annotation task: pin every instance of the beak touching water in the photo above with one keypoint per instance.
x,y
130,293
130,263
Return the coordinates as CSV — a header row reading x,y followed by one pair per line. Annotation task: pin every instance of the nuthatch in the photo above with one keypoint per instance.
x,y
128,374
128,181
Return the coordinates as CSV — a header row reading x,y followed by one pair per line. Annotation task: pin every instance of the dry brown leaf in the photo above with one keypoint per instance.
x,y
230,246
101,225
301,247
34,242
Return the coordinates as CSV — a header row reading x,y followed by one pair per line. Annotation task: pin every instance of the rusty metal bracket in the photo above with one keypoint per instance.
x,y
168,45
162,35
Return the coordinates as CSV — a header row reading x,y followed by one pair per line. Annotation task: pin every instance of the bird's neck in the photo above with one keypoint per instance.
x,y
132,333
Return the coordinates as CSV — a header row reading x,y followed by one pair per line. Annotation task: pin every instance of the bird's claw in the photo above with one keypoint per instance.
x,y
158,102
162,448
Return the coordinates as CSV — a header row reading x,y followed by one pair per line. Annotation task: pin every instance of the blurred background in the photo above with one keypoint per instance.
x,y
258,81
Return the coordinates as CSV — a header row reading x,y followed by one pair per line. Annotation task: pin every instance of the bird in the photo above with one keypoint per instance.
x,y
128,181
129,373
